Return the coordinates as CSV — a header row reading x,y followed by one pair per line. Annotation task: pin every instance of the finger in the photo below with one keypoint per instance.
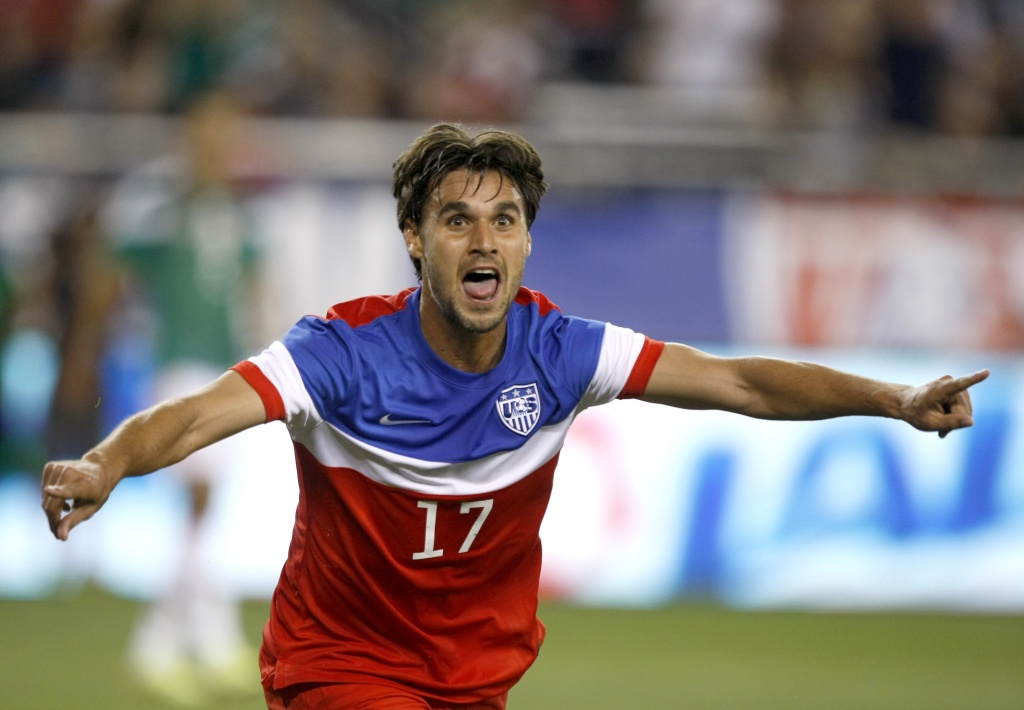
x,y
56,502
956,403
951,386
953,422
51,474
72,519
53,507
58,509
68,482
959,404
57,492
61,481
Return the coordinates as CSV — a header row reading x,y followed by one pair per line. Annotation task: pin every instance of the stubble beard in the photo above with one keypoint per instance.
x,y
454,314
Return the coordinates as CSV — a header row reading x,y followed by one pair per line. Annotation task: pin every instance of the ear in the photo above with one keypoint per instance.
x,y
529,243
413,240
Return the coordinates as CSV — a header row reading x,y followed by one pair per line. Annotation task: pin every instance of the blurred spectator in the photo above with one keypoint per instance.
x,y
597,38
35,38
86,288
973,101
709,48
921,65
1007,19
915,62
819,63
181,228
313,58
86,81
140,72
170,52
482,63
955,66
32,207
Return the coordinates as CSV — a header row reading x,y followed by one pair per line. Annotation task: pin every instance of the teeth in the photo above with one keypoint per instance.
x,y
482,273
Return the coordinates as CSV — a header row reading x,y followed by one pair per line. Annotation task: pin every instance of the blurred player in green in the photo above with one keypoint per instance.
x,y
181,229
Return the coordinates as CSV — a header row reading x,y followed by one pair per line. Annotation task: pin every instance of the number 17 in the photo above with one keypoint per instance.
x,y
429,535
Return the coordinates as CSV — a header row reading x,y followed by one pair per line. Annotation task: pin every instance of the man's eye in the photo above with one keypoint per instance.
x,y
457,221
504,221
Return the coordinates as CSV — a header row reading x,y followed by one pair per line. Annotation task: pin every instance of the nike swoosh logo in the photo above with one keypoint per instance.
x,y
386,420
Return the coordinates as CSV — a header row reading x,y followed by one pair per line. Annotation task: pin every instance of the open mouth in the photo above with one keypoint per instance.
x,y
481,284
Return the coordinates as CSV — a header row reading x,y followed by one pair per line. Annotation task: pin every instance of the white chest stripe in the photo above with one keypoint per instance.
x,y
334,448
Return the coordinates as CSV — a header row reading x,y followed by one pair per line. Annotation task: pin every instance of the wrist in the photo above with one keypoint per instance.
x,y
106,467
894,400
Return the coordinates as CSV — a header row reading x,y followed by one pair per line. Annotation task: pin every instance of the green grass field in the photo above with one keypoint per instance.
x,y
66,653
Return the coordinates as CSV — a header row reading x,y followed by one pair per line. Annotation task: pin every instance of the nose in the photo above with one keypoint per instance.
x,y
482,239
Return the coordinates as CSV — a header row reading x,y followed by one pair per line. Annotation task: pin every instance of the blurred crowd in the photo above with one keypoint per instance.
x,y
949,67
944,66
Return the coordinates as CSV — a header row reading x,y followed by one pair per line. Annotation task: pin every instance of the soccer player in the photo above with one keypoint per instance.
x,y
181,235
427,426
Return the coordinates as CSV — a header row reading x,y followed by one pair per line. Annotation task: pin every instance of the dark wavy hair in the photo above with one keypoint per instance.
x,y
447,147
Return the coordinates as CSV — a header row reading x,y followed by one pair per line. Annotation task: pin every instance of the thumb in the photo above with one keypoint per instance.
x,y
78,514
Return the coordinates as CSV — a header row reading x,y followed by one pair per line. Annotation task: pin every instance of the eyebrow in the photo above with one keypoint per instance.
x,y
461,206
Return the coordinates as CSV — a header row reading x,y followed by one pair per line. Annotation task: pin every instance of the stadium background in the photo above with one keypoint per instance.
x,y
733,181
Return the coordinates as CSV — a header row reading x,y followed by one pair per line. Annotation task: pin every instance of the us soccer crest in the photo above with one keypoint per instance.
x,y
519,408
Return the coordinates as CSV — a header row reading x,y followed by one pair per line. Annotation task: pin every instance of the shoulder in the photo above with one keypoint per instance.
x,y
366,310
351,326
536,314
567,347
529,298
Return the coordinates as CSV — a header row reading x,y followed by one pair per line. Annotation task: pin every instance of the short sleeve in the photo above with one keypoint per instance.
x,y
624,365
276,378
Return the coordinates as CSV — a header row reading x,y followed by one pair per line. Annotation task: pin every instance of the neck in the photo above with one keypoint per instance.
x,y
462,349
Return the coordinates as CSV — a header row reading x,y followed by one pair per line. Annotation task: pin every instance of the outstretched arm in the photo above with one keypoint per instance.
x,y
769,388
153,439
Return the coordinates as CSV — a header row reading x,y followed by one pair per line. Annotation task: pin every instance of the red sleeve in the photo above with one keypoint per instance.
x,y
272,401
636,385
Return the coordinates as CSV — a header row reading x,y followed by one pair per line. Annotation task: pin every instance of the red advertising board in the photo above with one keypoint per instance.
x,y
876,271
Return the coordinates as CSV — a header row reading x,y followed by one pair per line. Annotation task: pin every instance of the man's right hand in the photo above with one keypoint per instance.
x,y
72,492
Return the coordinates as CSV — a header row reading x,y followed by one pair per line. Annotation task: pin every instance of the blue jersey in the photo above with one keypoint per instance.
x,y
415,559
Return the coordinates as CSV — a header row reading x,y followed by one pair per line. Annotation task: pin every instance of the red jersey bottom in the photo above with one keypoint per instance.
x,y
356,696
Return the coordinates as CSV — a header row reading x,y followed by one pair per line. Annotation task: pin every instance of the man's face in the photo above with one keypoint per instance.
x,y
472,243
